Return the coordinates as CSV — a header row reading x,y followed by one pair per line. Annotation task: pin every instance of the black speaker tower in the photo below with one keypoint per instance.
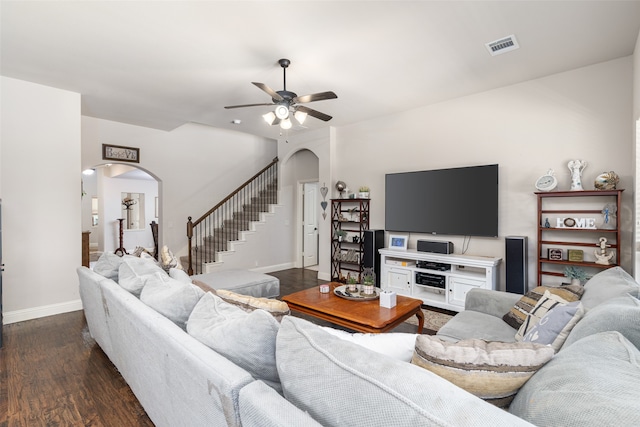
x,y
373,240
516,262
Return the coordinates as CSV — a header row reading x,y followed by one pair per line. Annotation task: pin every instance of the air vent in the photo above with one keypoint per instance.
x,y
503,45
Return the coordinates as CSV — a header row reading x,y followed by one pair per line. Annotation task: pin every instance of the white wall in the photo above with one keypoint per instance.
x,y
40,190
196,166
526,129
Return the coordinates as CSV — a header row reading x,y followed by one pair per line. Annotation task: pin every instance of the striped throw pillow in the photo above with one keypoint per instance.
x,y
518,313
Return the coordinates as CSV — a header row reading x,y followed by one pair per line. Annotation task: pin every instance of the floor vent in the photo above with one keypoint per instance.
x,y
503,45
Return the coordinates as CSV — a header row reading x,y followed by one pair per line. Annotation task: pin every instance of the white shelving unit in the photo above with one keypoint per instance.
x,y
398,271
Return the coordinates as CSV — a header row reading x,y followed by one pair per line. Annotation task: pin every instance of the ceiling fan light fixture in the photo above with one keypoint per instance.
x,y
270,117
282,112
286,124
300,116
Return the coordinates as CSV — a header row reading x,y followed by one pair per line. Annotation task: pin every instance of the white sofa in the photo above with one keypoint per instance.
x,y
325,380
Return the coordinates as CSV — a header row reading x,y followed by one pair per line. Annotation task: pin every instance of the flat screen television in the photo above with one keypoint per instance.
x,y
457,201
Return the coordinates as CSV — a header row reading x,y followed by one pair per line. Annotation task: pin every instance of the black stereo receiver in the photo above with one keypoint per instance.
x,y
432,280
430,265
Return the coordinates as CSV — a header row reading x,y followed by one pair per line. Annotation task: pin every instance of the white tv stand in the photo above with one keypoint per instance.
x,y
398,273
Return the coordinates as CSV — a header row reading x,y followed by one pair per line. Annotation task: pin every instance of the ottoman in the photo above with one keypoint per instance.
x,y
244,282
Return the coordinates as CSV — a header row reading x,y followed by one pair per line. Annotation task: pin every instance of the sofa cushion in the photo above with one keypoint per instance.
x,y
108,265
493,371
593,382
473,324
518,313
133,270
179,274
247,339
169,297
398,345
554,327
620,314
340,383
607,284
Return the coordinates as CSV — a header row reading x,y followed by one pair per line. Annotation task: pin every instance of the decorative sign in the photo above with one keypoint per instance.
x,y
575,255
576,223
121,154
554,254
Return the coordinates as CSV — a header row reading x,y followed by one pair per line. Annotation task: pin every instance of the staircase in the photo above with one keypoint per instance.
x,y
213,233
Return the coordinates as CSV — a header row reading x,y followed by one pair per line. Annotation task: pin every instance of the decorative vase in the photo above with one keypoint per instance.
x,y
368,288
352,287
363,194
575,281
576,167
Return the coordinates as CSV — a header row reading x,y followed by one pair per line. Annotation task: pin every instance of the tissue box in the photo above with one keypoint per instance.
x,y
387,299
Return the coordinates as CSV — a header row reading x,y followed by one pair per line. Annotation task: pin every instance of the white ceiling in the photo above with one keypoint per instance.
x,y
161,64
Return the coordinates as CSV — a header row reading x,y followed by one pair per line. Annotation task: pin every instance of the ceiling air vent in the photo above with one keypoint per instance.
x,y
503,45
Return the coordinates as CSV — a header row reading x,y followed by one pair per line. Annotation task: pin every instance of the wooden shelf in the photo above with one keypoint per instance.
x,y
340,209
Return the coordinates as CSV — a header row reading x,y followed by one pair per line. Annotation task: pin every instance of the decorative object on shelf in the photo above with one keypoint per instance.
x,y
601,255
606,181
546,223
397,241
341,186
576,167
355,239
576,223
576,274
341,235
575,255
324,191
608,212
352,283
554,254
547,182
363,192
353,213
569,222
368,281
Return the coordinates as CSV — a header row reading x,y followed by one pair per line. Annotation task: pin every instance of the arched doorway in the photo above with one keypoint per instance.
x,y
117,191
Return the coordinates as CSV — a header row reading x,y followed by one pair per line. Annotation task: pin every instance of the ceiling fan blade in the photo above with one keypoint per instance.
x,y
245,105
315,97
272,93
314,113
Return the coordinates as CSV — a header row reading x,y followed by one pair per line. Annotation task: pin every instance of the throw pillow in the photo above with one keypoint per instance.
x,y
108,265
515,317
247,339
397,345
275,307
181,275
555,326
171,298
168,260
610,283
546,303
593,382
493,371
620,314
133,270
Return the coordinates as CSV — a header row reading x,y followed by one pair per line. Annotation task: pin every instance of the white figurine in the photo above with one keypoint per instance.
x,y
576,167
601,256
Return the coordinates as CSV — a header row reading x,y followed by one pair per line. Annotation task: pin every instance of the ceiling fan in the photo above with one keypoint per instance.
x,y
287,103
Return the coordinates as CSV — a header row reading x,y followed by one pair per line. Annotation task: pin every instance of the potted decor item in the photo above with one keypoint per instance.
x,y
576,274
341,234
368,282
352,285
363,192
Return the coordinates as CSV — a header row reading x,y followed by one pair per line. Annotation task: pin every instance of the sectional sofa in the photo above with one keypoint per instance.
x,y
212,363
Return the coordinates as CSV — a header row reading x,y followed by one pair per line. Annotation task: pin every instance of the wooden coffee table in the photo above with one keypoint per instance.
x,y
362,316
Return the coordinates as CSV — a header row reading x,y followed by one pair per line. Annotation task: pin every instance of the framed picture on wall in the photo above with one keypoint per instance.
x,y
398,241
120,153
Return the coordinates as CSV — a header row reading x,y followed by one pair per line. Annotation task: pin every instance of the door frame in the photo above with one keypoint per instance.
x,y
299,255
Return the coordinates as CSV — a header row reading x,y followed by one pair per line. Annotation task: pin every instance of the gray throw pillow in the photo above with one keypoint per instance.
x,y
594,382
133,270
554,327
610,283
173,299
247,339
108,265
620,314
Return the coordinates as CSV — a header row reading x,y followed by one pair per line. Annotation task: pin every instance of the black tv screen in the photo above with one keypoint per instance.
x,y
456,201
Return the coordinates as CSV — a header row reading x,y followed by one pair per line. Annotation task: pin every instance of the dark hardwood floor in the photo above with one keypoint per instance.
x,y
52,373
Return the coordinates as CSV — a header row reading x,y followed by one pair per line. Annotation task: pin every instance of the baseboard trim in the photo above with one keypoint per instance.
x,y
271,268
42,311
324,276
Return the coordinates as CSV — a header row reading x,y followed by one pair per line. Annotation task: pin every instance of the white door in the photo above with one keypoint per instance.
x,y
310,224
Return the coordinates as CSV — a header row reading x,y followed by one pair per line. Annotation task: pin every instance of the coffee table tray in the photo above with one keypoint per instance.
x,y
342,292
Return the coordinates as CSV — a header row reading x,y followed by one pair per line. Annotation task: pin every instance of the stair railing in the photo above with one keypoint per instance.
x,y
211,232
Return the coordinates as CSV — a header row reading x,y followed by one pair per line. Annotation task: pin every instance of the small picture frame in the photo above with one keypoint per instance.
x,y
554,254
575,255
120,153
398,242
